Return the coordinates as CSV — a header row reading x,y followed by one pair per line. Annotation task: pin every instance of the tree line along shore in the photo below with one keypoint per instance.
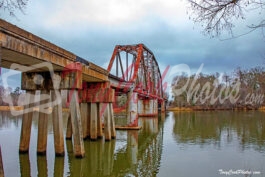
x,y
243,89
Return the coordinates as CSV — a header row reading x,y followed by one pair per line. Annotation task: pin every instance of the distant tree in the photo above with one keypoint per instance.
x,y
2,94
15,95
219,15
12,5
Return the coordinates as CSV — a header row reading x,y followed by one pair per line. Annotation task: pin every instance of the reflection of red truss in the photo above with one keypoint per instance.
x,y
136,65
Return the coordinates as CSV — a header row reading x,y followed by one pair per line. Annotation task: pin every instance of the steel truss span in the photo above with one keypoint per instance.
x,y
137,65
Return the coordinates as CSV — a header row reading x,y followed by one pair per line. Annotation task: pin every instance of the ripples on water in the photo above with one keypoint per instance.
x,y
178,144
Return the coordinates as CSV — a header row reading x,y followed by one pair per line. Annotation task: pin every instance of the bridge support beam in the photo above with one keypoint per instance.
x,y
147,107
100,98
79,149
112,122
93,121
107,123
43,124
57,125
101,110
84,118
162,106
132,109
26,123
53,82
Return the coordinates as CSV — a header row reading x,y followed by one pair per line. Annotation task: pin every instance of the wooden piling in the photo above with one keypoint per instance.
x,y
69,131
79,149
84,113
88,119
57,120
112,122
93,121
43,125
107,130
1,165
26,123
99,121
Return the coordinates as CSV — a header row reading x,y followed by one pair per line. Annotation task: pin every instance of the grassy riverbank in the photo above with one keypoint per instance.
x,y
20,108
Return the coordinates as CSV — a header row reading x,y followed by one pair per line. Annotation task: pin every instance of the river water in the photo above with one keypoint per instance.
x,y
182,144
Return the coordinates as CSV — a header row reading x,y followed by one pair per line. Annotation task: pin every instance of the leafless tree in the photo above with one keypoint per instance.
x,y
12,5
217,16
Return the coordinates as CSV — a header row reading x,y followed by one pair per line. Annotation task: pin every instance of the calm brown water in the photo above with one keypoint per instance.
x,y
201,144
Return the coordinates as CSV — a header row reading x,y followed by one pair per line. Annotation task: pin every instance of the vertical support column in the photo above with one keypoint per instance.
x,y
140,107
93,121
132,111
57,120
107,119
88,119
26,122
112,122
79,150
84,113
155,106
1,165
69,130
43,124
151,107
163,106
99,121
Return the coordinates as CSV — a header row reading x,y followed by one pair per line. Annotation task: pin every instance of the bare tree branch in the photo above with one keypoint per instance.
x,y
12,5
217,16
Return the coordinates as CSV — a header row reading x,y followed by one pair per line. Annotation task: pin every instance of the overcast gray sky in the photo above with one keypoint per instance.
x,y
91,29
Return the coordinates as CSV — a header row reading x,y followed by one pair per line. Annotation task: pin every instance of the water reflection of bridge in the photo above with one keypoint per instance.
x,y
133,153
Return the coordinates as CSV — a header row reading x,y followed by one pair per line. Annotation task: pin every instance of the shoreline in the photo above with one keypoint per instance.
x,y
187,109
20,108
176,109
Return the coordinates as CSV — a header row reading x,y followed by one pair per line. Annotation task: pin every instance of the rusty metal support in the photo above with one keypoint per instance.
x,y
142,70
